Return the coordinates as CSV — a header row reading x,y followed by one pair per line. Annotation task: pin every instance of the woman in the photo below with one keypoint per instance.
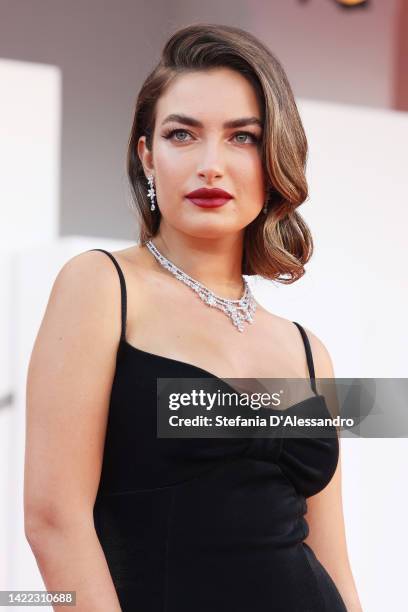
x,y
130,521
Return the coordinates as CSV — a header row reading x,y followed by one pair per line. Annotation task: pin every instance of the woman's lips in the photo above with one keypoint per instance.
x,y
209,202
209,197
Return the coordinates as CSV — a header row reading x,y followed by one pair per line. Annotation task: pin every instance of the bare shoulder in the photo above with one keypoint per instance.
x,y
92,274
321,357
84,302
85,265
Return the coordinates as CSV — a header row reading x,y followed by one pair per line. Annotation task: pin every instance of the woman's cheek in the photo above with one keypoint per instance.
x,y
171,166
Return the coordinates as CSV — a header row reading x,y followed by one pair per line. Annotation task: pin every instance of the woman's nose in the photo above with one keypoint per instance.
x,y
209,174
211,164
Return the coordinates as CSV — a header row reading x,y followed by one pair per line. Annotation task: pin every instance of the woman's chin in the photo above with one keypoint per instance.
x,y
210,228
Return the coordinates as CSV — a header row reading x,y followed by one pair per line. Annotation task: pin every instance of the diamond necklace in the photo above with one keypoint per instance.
x,y
238,310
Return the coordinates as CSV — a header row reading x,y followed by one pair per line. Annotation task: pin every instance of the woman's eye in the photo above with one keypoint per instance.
x,y
172,133
246,134
240,135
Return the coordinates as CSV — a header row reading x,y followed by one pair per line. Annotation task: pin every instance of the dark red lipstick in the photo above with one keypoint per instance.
x,y
209,198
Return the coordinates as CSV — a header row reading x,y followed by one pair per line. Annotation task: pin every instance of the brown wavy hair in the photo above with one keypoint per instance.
x,y
278,244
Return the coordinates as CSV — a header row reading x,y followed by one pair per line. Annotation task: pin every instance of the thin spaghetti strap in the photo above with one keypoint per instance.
x,y
122,292
309,356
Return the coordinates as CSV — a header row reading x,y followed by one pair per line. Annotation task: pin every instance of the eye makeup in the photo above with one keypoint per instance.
x,y
168,135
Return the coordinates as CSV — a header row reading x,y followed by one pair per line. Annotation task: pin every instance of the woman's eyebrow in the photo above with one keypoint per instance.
x,y
228,124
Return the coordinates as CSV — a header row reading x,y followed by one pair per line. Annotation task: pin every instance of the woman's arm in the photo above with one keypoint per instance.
x,y
324,516
68,390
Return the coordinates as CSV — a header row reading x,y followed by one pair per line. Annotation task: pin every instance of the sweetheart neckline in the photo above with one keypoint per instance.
x,y
134,348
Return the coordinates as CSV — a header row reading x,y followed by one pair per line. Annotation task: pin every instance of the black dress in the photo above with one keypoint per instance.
x,y
206,525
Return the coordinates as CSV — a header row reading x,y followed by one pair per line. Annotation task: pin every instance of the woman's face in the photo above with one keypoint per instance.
x,y
206,153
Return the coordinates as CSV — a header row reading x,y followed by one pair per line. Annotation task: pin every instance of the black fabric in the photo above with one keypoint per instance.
x,y
212,524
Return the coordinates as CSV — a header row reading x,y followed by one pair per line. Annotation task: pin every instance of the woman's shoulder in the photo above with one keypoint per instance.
x,y
94,276
322,360
84,293
321,356
80,319
95,266
86,270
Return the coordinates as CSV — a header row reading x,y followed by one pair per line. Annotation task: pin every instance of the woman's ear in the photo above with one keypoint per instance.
x,y
145,156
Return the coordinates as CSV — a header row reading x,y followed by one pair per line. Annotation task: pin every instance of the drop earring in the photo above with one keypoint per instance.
x,y
151,192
